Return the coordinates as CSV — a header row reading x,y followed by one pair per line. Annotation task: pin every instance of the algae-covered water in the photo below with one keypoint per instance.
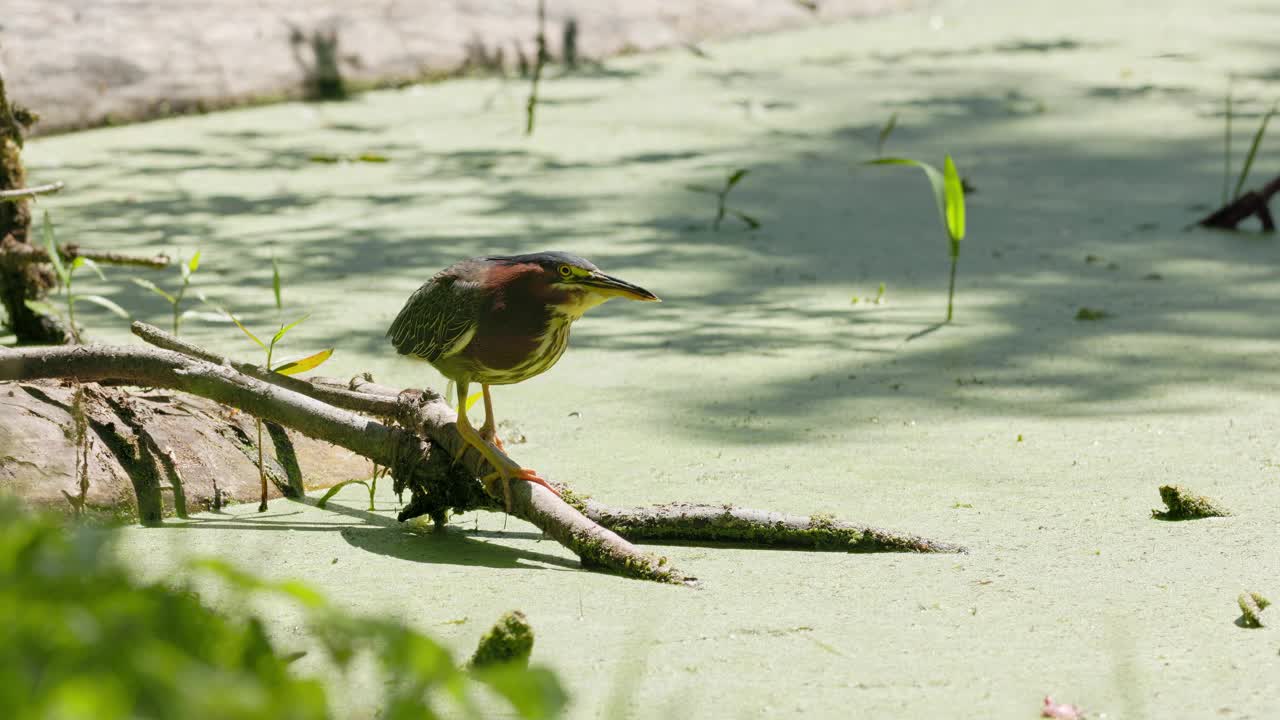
x,y
1093,136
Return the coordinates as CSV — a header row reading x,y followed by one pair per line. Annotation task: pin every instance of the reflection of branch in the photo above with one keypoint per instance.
x,y
1254,202
30,192
16,256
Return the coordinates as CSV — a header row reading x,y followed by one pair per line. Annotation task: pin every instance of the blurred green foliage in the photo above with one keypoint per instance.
x,y
82,639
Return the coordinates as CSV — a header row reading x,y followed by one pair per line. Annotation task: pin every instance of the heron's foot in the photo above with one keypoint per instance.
x,y
517,473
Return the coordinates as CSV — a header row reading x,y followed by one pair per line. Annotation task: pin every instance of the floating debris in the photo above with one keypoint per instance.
x,y
1186,505
1060,711
509,641
1086,313
1251,606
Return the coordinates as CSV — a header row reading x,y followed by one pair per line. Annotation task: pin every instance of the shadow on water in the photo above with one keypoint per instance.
x,y
383,535
830,226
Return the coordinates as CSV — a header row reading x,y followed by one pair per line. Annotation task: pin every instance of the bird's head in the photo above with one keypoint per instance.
x,y
570,284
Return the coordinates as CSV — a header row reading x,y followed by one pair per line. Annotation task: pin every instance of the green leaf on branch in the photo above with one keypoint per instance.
x,y
310,362
281,332
240,325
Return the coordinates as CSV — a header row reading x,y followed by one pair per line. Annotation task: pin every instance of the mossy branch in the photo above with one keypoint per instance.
x,y
342,413
690,523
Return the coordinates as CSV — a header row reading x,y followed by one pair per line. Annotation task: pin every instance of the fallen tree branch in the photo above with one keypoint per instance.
x,y
1254,202
31,192
21,255
441,482
689,523
404,451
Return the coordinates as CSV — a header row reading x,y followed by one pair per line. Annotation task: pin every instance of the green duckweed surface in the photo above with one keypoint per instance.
x,y
1092,134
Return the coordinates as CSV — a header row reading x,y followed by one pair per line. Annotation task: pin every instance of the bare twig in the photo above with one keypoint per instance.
x,y
31,192
328,392
17,256
1254,202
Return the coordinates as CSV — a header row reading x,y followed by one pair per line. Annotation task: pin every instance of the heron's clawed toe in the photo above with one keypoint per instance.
x,y
517,473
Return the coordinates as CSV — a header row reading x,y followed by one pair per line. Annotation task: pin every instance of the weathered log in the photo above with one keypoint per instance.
x,y
203,452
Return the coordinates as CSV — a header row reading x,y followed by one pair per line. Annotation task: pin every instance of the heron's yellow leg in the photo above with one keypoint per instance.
x,y
489,430
505,468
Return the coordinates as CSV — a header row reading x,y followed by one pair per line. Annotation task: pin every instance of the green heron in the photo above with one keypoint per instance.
x,y
497,321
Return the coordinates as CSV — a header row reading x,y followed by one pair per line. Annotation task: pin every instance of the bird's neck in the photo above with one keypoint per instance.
x,y
576,303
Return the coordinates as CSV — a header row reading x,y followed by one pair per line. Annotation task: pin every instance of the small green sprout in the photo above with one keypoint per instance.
x,y
65,273
1229,115
948,192
722,196
1253,151
287,367
371,485
1226,150
885,132
187,269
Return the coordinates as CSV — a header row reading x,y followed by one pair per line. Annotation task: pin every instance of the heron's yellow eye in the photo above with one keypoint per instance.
x,y
565,271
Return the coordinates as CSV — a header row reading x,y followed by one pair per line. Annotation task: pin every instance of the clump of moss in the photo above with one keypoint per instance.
x,y
1186,505
508,641
1251,606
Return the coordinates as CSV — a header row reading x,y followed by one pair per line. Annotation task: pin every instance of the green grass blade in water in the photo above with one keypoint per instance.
x,y
953,201
1253,152
935,180
46,229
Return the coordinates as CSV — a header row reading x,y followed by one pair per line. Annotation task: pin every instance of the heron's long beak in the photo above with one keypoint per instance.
x,y
614,287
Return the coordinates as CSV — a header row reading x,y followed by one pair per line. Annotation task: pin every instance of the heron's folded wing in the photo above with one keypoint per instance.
x,y
438,320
